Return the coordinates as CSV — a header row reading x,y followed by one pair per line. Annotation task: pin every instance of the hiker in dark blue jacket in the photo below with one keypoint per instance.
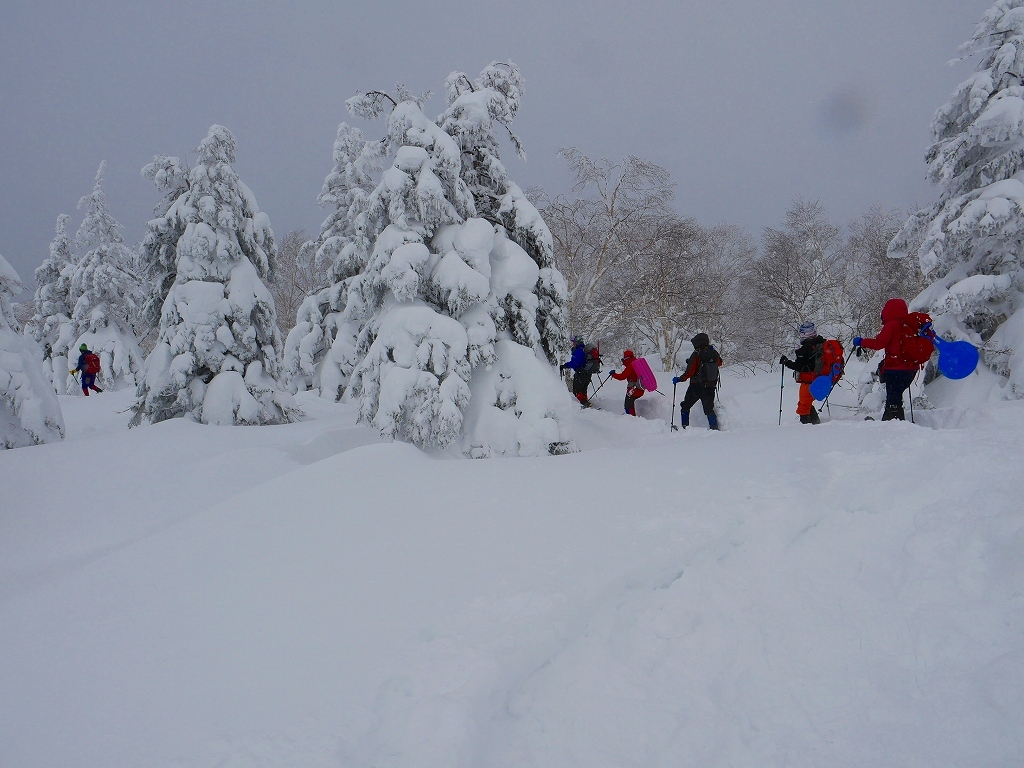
x,y
580,375
89,365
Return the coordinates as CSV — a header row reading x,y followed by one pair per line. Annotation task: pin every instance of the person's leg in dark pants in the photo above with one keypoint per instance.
x,y
896,383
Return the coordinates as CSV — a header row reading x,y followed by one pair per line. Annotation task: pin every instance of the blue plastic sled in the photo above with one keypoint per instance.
x,y
957,359
821,387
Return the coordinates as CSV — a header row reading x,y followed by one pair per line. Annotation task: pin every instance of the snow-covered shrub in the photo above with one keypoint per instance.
x,y
51,324
107,294
29,412
216,359
970,243
452,306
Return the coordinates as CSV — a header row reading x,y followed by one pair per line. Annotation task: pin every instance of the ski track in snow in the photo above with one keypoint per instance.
x,y
844,595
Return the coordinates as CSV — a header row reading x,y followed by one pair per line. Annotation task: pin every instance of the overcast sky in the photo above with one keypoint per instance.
x,y
748,103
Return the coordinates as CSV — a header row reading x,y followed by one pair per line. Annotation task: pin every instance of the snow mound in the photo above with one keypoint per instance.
x,y
518,407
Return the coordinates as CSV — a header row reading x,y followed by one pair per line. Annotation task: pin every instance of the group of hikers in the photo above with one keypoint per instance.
x,y
903,337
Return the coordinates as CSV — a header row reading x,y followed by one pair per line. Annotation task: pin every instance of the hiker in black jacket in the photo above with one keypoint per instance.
x,y
805,367
702,373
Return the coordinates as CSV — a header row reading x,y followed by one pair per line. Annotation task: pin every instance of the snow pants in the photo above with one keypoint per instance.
x,y
581,385
896,383
632,395
706,395
805,402
89,382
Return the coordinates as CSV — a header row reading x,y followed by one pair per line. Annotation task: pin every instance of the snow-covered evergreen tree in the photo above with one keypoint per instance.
x,y
51,325
971,242
29,412
476,109
217,356
319,348
107,293
158,253
454,343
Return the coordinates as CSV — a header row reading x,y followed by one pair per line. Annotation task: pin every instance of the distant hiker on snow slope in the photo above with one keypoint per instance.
x,y
702,373
900,339
806,368
634,390
583,365
89,365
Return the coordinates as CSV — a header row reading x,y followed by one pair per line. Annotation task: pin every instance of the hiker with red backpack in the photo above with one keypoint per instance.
x,y
584,364
906,352
634,389
702,373
89,366
815,357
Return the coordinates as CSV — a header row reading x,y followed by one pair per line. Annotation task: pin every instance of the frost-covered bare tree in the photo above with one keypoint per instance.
x,y
295,278
684,286
799,276
871,276
612,220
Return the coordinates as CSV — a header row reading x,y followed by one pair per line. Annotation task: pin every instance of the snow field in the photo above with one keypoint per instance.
x,y
844,595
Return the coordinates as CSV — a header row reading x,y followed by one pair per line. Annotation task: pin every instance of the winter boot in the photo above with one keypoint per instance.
x,y
713,421
811,418
96,389
894,413
684,418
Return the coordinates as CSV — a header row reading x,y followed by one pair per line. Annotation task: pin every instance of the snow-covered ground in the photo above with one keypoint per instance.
x,y
304,595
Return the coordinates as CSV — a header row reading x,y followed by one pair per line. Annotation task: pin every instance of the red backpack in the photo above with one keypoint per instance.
x,y
831,356
92,363
915,349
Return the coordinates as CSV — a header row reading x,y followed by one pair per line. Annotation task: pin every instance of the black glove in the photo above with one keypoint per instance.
x,y
784,360
561,367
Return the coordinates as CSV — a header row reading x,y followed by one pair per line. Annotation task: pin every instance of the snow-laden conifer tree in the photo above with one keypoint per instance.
x,y
51,325
107,293
971,242
29,412
158,253
318,351
476,109
216,359
458,323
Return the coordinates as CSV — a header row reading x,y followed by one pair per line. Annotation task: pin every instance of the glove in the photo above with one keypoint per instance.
x,y
73,371
611,372
857,341
784,360
561,367
676,379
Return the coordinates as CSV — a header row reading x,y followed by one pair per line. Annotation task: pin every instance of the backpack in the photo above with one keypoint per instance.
x,y
831,355
92,363
592,365
915,348
707,374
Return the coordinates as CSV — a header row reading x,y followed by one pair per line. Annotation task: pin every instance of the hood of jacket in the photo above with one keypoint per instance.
x,y
894,309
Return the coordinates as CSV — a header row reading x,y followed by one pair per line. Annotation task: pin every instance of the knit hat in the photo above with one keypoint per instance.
x,y
807,330
83,347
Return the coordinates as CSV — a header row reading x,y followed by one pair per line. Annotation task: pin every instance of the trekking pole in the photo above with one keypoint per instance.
x,y
601,385
673,407
782,387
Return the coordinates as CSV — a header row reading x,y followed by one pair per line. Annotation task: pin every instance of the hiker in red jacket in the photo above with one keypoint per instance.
x,y
897,372
89,365
633,389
